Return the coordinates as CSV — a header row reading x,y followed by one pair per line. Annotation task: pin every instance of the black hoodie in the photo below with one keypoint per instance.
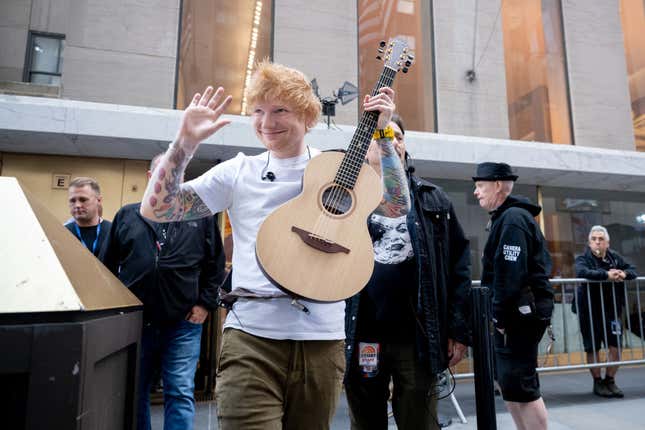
x,y
516,262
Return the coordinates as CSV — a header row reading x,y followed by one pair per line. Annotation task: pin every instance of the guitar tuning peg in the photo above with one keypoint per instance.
x,y
380,50
404,70
408,63
381,43
411,57
378,57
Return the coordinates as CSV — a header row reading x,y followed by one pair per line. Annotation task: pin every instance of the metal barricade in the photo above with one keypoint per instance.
x,y
615,317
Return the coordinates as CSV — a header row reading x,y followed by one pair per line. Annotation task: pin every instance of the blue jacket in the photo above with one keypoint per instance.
x,y
442,255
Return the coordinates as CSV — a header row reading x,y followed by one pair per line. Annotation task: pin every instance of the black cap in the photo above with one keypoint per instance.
x,y
494,172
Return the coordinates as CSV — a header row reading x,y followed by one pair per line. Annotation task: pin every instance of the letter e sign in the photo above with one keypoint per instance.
x,y
60,181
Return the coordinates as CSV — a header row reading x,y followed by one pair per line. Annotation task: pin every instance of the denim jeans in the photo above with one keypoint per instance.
x,y
175,351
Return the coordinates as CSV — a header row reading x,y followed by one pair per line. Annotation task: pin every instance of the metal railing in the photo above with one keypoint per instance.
x,y
607,301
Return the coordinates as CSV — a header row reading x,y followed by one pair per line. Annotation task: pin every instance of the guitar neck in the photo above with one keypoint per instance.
x,y
355,156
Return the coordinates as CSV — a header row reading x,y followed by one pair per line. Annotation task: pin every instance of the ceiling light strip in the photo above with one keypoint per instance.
x,y
252,47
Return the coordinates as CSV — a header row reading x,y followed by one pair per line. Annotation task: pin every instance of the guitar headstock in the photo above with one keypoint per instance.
x,y
396,55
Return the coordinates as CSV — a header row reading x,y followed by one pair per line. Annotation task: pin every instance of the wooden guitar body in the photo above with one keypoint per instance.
x,y
317,245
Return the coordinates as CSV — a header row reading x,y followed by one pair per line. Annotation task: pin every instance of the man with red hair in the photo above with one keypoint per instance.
x,y
282,360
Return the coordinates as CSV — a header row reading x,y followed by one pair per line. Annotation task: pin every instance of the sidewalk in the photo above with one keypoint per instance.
x,y
568,396
570,402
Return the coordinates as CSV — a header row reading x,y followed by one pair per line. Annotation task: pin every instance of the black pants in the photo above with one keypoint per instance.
x,y
414,401
604,326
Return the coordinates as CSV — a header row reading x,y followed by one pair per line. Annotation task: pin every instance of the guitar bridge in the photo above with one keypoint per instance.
x,y
319,242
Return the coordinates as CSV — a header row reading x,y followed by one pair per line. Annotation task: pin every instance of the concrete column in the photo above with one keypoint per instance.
x,y
320,39
600,103
477,108
115,52
14,26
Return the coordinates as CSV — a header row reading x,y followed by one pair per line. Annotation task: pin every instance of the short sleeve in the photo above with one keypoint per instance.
x,y
215,187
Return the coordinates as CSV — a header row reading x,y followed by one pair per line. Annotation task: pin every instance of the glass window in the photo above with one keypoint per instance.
x,y
569,214
409,20
220,42
44,58
633,17
536,84
472,217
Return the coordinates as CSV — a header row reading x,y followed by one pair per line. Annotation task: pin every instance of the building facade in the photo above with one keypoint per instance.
x,y
556,88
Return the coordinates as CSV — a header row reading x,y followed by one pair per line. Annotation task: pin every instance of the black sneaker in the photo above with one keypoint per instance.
x,y
610,383
600,389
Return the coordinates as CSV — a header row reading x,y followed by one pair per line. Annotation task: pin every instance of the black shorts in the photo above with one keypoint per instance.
x,y
516,359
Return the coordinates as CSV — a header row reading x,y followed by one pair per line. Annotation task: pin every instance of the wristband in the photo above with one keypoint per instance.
x,y
387,132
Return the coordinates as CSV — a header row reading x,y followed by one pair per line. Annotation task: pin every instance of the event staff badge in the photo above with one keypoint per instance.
x,y
368,358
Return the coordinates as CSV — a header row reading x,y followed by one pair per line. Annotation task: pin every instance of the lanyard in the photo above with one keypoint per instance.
x,y
96,241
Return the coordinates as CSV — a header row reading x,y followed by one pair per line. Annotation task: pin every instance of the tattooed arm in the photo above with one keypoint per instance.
x,y
166,198
396,196
384,159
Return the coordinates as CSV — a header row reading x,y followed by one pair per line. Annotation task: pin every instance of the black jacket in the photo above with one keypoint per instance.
x,y
592,268
105,229
442,256
588,266
169,275
516,262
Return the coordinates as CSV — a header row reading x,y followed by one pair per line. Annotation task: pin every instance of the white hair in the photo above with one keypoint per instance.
x,y
507,186
601,229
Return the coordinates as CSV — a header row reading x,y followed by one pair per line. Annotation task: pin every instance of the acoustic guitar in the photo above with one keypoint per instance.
x,y
317,245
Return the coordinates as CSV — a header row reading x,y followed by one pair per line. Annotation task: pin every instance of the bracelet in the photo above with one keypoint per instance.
x,y
387,132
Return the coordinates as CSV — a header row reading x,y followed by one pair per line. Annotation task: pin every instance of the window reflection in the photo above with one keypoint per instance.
x,y
570,213
633,18
219,41
410,20
536,86
45,59
472,217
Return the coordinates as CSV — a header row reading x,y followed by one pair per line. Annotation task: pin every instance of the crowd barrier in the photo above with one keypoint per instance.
x,y
566,351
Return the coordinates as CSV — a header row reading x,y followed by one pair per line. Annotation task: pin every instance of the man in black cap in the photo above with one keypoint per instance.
x,y
516,267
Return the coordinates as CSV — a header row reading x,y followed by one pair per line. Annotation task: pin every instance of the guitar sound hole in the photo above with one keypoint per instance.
x,y
336,200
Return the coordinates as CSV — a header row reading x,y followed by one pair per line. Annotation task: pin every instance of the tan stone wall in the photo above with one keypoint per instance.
x,y
122,181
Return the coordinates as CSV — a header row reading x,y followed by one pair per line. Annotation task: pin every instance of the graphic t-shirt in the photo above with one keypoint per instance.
x,y
386,312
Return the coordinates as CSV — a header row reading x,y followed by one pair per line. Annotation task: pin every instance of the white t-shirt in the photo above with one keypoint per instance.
x,y
236,186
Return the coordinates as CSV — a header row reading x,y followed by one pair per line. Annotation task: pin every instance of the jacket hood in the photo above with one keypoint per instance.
x,y
520,202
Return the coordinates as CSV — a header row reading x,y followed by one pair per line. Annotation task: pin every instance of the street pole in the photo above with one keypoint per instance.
x,y
483,358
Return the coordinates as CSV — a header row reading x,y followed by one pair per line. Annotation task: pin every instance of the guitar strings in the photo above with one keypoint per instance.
x,y
343,177
353,160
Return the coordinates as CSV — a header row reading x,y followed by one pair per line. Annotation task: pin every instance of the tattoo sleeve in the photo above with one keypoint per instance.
x,y
166,199
396,196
